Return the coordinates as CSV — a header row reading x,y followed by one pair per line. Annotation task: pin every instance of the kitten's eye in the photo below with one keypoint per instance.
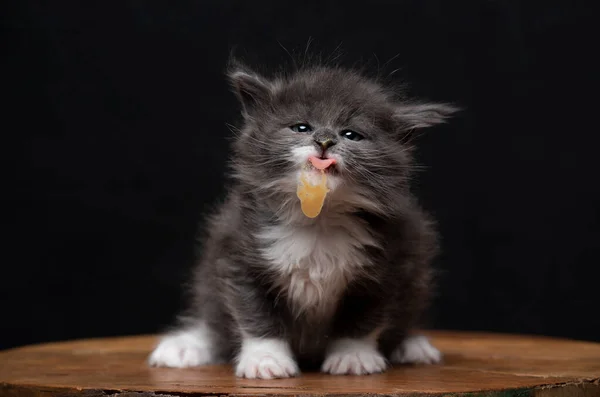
x,y
301,128
353,136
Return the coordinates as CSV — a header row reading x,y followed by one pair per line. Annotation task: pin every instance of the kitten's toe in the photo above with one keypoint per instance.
x,y
416,350
353,357
266,359
181,350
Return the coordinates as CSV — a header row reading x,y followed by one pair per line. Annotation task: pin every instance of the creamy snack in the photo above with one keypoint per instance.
x,y
312,197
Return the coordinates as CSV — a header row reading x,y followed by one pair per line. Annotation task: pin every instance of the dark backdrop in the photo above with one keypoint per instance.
x,y
115,128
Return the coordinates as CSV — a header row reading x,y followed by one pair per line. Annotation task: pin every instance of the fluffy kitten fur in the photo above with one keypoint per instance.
x,y
276,289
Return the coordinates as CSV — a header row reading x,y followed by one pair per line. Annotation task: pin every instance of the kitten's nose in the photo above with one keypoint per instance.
x,y
325,143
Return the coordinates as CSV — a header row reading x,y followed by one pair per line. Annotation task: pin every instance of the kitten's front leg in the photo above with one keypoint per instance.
x,y
264,351
355,351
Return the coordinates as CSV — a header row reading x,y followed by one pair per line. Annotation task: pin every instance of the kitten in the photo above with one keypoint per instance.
x,y
276,291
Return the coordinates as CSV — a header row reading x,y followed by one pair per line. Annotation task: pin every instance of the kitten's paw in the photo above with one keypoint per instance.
x,y
181,350
266,359
416,350
353,357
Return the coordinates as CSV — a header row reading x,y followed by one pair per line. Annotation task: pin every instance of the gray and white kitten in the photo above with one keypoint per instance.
x,y
276,291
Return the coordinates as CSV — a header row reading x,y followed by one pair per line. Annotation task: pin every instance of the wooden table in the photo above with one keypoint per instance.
x,y
476,364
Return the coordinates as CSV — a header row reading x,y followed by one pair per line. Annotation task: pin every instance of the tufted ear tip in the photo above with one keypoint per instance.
x,y
251,89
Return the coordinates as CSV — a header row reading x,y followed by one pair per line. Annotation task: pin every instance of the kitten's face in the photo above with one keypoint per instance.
x,y
327,114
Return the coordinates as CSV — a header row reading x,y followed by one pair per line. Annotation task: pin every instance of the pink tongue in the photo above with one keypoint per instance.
x,y
320,164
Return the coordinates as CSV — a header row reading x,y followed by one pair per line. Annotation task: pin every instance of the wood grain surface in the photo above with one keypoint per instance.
x,y
475,364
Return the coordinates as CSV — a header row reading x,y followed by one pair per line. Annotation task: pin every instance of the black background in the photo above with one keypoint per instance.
x,y
115,130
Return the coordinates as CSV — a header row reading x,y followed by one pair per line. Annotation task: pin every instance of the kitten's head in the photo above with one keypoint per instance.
x,y
327,113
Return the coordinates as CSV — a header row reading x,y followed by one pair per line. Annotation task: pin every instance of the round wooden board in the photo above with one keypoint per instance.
x,y
475,364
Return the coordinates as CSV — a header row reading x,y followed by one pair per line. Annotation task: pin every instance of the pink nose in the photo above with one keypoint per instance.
x,y
321,164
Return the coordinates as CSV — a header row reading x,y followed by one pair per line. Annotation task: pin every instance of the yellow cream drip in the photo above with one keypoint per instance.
x,y
312,196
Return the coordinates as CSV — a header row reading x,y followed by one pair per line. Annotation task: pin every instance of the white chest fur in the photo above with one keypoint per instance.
x,y
314,263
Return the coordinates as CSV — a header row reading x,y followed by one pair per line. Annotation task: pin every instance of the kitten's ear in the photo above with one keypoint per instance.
x,y
252,90
423,115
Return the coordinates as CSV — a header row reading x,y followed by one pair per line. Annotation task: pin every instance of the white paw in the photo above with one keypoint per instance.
x,y
353,357
265,359
416,350
182,349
